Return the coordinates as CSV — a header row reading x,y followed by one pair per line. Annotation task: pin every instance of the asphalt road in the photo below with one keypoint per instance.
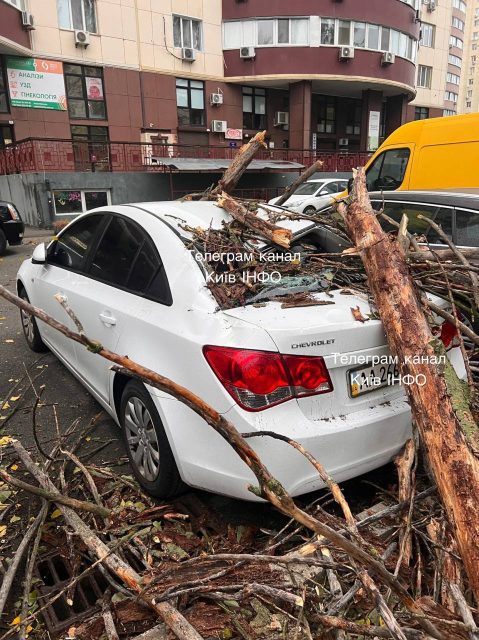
x,y
62,391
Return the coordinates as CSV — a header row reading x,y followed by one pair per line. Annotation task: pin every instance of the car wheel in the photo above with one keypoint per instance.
x,y
146,443
30,328
309,211
3,243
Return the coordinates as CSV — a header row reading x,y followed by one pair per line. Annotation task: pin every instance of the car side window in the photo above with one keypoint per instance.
x,y
71,248
331,187
443,216
388,170
467,228
126,257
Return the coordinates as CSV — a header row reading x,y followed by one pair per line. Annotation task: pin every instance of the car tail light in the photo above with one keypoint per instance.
x,y
448,334
260,379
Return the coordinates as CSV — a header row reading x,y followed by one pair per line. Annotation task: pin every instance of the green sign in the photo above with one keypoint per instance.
x,y
36,83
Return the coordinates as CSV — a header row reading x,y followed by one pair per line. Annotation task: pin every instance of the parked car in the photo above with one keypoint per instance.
x,y
314,194
11,226
131,275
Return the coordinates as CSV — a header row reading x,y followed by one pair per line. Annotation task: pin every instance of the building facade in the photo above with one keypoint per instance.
x,y
317,74
444,59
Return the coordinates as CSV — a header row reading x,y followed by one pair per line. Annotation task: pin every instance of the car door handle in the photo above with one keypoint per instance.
x,y
107,318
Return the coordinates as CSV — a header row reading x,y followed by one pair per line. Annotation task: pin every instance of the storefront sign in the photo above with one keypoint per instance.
x,y
234,134
94,88
373,130
36,83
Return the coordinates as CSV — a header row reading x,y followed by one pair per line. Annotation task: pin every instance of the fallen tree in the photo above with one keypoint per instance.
x,y
290,189
439,406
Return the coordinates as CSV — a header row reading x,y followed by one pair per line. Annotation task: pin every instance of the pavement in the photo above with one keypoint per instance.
x,y
62,393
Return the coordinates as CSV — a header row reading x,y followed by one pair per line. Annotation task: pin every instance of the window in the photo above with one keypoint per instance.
x,y
72,246
127,258
254,108
344,32
353,118
385,38
19,4
293,31
327,30
455,60
424,75
470,81
452,78
440,215
459,24
459,4
451,96
265,32
3,90
74,202
387,171
467,228
187,32
373,36
457,42
428,33
77,14
90,148
6,135
190,102
359,35
475,35
326,114
85,93
421,113
449,112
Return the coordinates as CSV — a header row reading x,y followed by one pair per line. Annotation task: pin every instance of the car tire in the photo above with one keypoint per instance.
x,y
3,243
309,211
30,328
146,443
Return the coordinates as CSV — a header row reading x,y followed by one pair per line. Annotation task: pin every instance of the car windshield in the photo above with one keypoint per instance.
x,y
308,189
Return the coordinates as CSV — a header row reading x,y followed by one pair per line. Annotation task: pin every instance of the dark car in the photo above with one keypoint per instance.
x,y
11,226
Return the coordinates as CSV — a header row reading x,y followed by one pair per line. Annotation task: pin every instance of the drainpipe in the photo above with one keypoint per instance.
x,y
140,63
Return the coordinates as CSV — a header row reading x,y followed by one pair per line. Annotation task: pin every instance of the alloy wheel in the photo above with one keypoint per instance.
x,y
142,439
27,324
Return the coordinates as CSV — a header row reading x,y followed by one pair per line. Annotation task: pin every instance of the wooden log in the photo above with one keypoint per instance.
x,y
239,165
182,629
290,189
439,407
272,233
406,475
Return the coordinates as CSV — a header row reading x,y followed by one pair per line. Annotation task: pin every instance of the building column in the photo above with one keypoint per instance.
x,y
396,113
372,105
300,115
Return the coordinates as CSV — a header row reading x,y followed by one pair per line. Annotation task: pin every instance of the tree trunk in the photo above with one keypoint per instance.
x,y
439,407
299,181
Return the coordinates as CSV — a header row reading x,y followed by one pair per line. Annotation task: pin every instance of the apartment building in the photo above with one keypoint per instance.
x,y
469,94
442,58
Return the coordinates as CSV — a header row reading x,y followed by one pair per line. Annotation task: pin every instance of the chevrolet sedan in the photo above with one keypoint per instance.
x,y
313,373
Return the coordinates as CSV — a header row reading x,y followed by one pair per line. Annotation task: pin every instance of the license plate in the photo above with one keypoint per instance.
x,y
20,235
370,378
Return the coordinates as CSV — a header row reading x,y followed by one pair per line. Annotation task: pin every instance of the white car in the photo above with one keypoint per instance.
x,y
314,194
137,286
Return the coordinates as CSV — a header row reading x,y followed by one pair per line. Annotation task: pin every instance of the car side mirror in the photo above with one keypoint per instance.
x,y
39,255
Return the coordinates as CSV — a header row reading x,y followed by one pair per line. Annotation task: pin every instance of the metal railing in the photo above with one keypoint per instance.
x,y
40,154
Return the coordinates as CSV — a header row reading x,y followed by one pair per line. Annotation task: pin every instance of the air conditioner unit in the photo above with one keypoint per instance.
x,y
82,38
219,126
388,58
346,53
281,118
247,53
27,21
188,55
216,98
431,6
343,142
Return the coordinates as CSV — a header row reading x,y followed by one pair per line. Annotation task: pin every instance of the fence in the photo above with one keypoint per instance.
x,y
35,154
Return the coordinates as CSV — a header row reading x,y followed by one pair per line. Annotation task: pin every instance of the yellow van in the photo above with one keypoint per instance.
x,y
438,153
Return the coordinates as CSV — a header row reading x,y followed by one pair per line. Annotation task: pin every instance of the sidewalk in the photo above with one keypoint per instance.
x,y
35,232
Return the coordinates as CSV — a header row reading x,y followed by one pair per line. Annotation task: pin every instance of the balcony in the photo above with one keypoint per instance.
x,y
52,155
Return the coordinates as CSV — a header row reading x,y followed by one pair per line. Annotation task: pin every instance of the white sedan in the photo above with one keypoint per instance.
x,y
314,194
130,274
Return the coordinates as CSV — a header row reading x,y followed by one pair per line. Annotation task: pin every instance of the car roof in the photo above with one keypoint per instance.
x,y
327,180
179,214
468,198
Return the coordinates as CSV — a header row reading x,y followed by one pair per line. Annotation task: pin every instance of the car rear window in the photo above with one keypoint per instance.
x,y
467,228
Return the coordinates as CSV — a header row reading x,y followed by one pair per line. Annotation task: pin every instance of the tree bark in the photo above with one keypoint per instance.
x,y
439,406
290,189
276,235
233,173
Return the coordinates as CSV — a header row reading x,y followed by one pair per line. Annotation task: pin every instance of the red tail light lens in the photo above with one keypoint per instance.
x,y
448,333
260,379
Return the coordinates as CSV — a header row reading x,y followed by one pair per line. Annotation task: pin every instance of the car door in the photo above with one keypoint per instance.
x,y
123,269
66,258
467,228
